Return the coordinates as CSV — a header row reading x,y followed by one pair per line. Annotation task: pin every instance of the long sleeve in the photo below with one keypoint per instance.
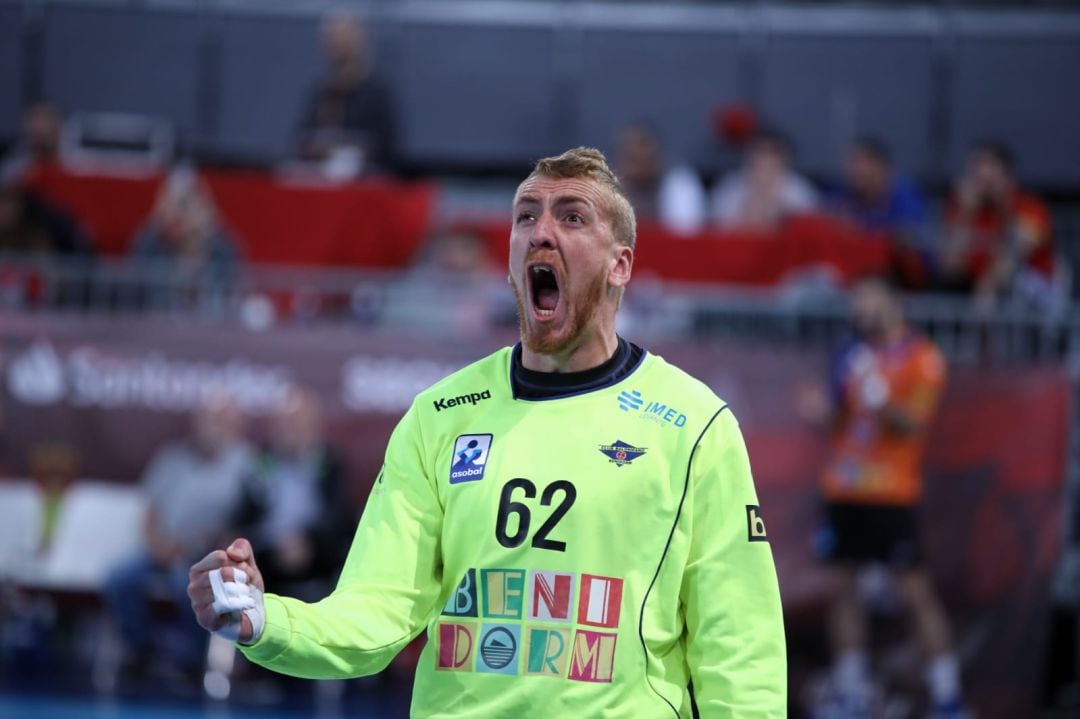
x,y
735,634
388,588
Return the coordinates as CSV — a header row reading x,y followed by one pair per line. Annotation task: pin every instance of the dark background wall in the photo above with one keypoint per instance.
x,y
232,75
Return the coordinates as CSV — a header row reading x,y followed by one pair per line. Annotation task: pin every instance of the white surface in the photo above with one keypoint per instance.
x,y
98,525
21,514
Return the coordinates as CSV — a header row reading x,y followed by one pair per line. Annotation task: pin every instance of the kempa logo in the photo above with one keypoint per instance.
x,y
471,398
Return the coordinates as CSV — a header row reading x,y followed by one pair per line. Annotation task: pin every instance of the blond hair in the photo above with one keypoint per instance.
x,y
587,163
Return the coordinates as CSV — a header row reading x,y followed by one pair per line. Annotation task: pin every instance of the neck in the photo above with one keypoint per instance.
x,y
596,349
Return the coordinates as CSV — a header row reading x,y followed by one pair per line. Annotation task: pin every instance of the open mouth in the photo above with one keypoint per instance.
x,y
544,288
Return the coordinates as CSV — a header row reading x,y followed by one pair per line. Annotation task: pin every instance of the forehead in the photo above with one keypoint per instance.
x,y
549,189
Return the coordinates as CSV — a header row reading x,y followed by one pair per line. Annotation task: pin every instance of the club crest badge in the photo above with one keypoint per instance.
x,y
620,453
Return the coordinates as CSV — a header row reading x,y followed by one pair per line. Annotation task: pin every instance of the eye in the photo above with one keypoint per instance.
x,y
575,217
524,216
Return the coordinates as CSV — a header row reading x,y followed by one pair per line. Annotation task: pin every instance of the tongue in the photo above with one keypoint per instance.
x,y
547,298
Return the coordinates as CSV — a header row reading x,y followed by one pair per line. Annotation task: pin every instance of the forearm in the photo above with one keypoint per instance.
x,y
345,635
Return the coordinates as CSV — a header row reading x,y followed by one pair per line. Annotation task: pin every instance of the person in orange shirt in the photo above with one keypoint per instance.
x,y
886,384
996,236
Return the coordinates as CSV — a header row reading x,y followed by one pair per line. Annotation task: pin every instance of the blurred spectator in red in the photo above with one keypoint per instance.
x,y
192,488
38,143
997,238
349,117
765,190
294,505
183,236
32,228
672,196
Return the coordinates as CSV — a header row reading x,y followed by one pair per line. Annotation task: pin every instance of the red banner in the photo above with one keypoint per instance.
x,y
110,391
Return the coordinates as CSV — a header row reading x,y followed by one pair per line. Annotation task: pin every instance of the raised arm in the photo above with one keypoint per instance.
x,y
387,590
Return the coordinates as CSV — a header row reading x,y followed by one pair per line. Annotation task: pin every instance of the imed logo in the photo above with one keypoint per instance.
x,y
593,658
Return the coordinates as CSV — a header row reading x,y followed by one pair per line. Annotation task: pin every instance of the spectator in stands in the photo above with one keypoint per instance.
x,y
349,115
877,197
997,238
192,488
38,143
455,261
32,228
183,237
765,190
672,196
294,505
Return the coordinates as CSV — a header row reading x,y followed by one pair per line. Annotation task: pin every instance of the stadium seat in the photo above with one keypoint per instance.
x,y
98,526
21,511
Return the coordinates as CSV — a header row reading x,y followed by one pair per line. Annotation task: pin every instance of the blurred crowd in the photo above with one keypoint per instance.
x,y
288,494
988,236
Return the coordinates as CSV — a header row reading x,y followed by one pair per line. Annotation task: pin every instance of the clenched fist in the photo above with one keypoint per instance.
x,y
226,592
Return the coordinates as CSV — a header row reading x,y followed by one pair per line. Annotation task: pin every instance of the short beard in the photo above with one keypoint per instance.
x,y
580,315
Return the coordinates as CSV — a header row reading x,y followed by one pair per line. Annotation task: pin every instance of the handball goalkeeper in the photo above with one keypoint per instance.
x,y
571,520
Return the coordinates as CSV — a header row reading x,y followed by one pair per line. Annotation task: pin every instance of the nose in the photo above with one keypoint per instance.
x,y
543,236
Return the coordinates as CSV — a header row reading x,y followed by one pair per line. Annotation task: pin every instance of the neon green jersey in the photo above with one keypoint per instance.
x,y
584,556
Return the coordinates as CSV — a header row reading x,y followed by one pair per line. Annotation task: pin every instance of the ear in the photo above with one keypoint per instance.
x,y
622,266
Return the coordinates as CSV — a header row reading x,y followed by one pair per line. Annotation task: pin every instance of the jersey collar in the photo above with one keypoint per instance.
x,y
530,385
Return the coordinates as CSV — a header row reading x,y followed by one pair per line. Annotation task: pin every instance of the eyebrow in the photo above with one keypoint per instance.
x,y
572,200
560,201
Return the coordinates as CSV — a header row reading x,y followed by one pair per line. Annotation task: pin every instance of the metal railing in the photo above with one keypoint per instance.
x,y
264,295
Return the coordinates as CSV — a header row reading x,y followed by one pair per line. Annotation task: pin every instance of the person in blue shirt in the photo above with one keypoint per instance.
x,y
879,198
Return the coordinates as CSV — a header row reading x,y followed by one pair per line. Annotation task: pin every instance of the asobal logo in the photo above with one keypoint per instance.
x,y
471,398
470,458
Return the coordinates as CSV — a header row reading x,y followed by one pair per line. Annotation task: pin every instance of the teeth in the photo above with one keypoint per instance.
x,y
544,313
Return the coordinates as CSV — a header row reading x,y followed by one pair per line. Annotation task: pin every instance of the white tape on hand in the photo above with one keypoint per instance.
x,y
231,596
231,599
